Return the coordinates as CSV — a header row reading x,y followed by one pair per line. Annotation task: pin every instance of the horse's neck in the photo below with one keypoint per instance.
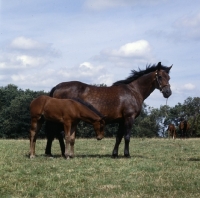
x,y
144,85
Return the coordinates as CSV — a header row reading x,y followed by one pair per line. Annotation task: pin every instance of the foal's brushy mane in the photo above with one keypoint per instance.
x,y
136,74
89,106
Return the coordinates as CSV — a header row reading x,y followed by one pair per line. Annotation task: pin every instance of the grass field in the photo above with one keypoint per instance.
x,y
157,168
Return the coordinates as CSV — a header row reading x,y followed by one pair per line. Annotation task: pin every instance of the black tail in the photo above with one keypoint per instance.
x,y
52,91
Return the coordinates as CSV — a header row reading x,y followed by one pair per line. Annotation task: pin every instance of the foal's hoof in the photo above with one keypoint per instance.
x,y
32,156
100,137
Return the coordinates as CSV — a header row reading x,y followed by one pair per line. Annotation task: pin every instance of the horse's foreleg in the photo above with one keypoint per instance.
x,y
48,146
118,140
127,135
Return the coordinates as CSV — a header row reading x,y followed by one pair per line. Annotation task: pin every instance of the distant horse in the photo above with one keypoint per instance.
x,y
66,111
184,128
171,131
121,102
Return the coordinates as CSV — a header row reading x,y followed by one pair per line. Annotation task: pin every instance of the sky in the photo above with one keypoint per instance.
x,y
45,42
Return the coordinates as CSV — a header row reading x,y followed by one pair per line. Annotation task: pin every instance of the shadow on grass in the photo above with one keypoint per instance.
x,y
191,159
90,156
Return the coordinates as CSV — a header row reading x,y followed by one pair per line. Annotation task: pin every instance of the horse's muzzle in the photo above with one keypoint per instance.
x,y
166,91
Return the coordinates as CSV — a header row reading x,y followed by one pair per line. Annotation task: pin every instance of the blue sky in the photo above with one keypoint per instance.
x,y
45,42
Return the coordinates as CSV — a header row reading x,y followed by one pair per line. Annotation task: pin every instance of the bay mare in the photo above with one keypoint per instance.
x,y
66,111
121,102
184,129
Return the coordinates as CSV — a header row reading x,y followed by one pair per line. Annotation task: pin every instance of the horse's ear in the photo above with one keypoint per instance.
x,y
168,69
159,65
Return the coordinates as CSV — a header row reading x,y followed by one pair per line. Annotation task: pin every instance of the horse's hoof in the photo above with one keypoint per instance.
x,y
114,155
127,155
49,155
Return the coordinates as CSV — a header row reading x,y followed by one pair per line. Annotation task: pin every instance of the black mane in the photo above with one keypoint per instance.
x,y
89,106
136,74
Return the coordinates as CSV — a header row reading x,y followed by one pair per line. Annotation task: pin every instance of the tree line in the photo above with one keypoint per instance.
x,y
152,122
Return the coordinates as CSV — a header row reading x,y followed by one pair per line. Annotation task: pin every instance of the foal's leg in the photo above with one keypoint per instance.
x,y
118,140
35,127
72,142
67,129
72,138
33,137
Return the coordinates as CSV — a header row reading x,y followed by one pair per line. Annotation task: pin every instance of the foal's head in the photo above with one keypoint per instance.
x,y
162,80
99,128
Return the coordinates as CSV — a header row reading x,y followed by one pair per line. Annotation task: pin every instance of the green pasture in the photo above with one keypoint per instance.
x,y
157,168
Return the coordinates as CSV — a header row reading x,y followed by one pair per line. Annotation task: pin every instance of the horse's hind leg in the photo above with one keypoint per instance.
x,y
50,133
62,144
118,140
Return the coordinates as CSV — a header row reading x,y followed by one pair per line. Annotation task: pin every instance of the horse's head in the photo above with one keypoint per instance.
x,y
99,128
162,80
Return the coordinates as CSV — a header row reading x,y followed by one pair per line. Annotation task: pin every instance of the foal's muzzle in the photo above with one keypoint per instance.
x,y
166,91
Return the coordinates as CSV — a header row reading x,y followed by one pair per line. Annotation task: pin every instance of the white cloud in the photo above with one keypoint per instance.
x,y
31,61
87,69
135,49
105,79
86,65
137,53
26,44
189,86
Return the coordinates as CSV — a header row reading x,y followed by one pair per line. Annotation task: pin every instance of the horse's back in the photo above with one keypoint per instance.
x,y
71,89
111,101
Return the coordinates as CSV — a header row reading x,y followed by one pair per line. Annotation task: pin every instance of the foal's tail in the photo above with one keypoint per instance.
x,y
52,91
